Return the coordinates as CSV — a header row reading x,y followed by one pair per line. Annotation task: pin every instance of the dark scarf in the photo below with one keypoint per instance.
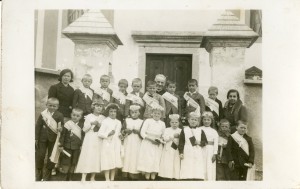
x,y
203,141
235,109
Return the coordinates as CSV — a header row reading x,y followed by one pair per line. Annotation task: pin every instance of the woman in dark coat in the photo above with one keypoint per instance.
x,y
234,110
63,92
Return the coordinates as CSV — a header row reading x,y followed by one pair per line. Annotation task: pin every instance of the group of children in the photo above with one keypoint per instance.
x,y
141,134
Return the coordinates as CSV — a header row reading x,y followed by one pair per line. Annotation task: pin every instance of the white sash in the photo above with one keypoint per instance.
x,y
56,152
213,105
103,93
192,102
135,99
75,129
50,122
242,142
153,103
171,98
119,96
87,92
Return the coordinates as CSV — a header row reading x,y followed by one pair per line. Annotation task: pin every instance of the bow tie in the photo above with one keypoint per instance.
x,y
150,95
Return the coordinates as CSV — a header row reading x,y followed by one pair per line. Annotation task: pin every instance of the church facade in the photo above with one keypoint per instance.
x,y
218,48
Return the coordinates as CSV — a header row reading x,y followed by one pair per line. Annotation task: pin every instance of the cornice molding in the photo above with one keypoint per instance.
x,y
168,37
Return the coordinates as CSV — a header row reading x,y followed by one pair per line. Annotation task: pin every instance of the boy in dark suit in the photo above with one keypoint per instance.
x,y
46,129
214,105
194,101
172,101
153,100
70,141
104,92
223,171
240,152
84,95
119,98
135,97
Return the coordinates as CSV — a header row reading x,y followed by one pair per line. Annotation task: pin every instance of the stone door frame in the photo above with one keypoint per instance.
x,y
168,43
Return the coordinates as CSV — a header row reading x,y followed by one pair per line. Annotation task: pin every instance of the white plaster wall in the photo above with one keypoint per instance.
x,y
228,70
204,72
65,53
253,56
125,58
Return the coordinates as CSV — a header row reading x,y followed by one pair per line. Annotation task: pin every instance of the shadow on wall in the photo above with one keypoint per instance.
x,y
253,102
43,81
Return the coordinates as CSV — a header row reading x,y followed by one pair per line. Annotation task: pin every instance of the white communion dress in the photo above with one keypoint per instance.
x,y
89,159
150,154
132,145
170,160
111,145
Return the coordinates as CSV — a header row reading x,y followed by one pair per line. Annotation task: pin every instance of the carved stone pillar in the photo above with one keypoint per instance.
x,y
95,40
226,41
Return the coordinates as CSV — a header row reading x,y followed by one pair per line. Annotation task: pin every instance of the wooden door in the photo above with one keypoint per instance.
x,y
176,67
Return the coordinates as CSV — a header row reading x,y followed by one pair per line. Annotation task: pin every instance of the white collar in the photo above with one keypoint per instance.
x,y
87,92
50,112
193,92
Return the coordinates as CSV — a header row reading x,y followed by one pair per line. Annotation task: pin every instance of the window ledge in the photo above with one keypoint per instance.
x,y
252,82
47,71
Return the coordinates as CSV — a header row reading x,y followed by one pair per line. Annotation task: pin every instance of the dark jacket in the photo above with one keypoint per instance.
x,y
121,111
65,97
171,109
79,101
148,109
199,99
42,132
97,96
161,92
235,113
220,108
129,103
217,117
237,154
71,142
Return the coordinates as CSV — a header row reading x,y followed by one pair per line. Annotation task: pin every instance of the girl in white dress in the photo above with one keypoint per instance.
x,y
210,150
170,160
132,141
190,150
151,147
89,159
111,143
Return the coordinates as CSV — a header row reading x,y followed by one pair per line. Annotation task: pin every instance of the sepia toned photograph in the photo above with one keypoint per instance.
x,y
138,95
